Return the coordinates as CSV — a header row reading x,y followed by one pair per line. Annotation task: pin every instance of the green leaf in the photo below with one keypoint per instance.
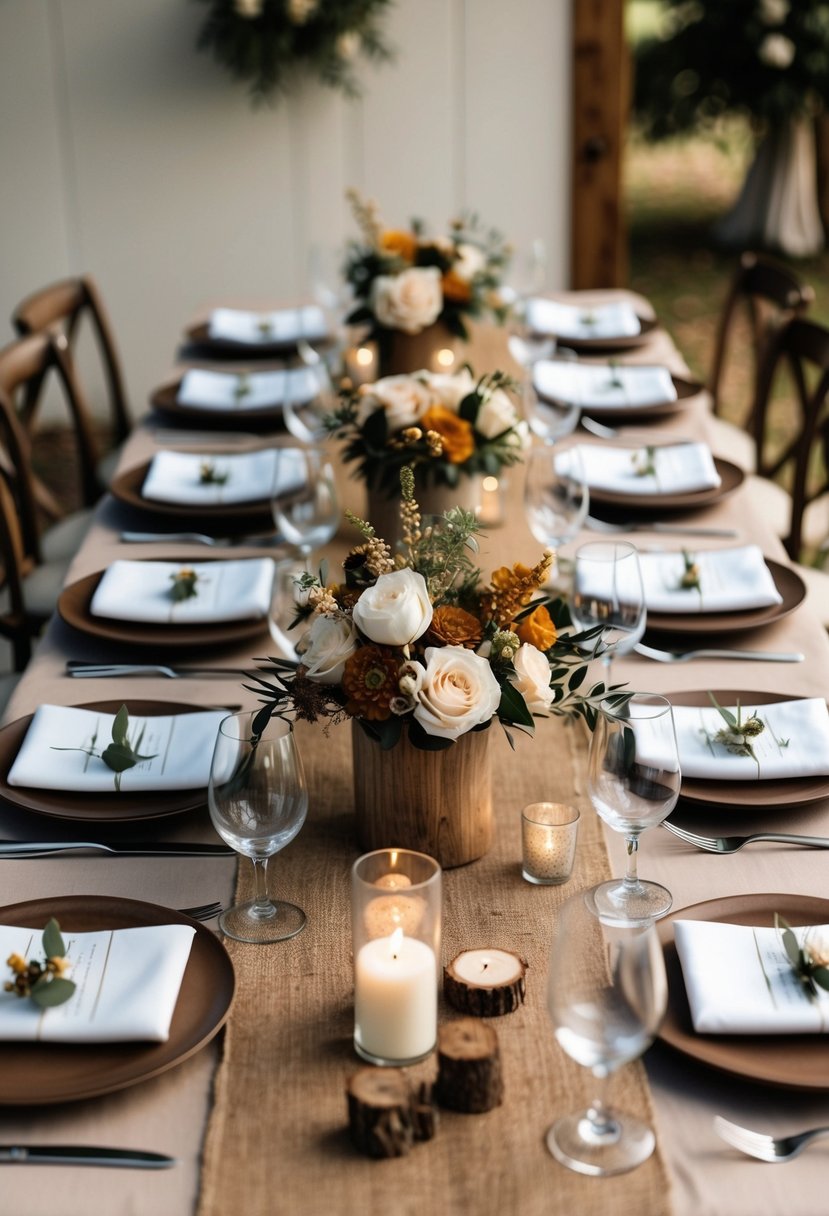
x,y
47,993
53,946
820,975
725,714
120,725
628,749
577,678
261,719
789,942
120,757
513,707
469,407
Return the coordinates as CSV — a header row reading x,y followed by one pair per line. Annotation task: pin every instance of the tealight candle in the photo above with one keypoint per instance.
x,y
393,882
395,999
548,842
486,982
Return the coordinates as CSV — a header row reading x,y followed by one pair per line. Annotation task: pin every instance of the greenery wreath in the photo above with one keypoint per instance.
x,y
268,43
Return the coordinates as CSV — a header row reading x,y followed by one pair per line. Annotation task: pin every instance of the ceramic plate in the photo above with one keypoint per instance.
x,y
789,584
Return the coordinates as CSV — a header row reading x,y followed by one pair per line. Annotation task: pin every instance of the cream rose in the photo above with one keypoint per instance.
x,y
776,51
329,642
409,301
451,390
470,261
532,678
404,398
496,415
459,691
396,610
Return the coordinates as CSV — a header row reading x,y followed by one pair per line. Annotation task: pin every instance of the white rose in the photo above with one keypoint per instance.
x,y
496,415
409,301
470,261
404,398
248,8
520,436
329,642
773,12
450,390
459,691
776,51
300,10
396,610
532,678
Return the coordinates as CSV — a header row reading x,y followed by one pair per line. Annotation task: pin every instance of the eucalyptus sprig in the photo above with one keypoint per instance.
x,y
43,982
615,380
737,734
690,580
122,753
184,584
808,963
211,475
644,461
242,387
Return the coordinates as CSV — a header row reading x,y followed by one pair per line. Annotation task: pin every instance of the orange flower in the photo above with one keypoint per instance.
x,y
507,578
537,629
455,433
455,288
404,244
456,627
371,681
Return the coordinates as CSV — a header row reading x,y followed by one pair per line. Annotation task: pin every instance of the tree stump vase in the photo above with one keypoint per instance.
x,y
438,803
384,512
400,353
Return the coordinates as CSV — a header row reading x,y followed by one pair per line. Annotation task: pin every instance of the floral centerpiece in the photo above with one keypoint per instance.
x,y
415,291
424,655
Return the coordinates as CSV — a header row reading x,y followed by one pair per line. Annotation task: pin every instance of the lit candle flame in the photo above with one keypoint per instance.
x,y
395,942
490,484
445,357
364,356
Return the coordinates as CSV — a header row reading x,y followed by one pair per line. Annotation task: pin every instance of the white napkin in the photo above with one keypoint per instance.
x,y
128,982
599,384
268,328
730,579
182,745
681,468
739,981
805,724
227,591
616,320
207,390
251,476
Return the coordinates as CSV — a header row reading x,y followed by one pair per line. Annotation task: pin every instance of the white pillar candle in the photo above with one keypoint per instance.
x,y
488,967
395,998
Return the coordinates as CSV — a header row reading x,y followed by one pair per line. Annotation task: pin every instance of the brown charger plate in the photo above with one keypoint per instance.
x,y
788,583
622,342
200,335
41,1074
754,795
101,808
127,487
731,478
685,390
165,400
73,607
796,1061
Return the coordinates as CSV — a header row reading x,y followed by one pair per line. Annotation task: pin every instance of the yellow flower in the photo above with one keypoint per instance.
x,y
456,627
537,629
17,964
455,433
58,964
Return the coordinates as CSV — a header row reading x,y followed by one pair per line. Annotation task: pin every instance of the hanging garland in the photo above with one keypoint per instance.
x,y
268,43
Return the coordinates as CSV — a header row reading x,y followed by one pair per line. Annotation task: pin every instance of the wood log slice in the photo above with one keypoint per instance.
x,y
469,1067
380,1112
425,1116
485,983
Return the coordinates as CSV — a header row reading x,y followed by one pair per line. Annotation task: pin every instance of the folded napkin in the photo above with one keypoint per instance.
x,y
226,591
739,981
182,746
593,384
795,742
266,328
616,320
681,468
206,390
730,579
128,982
251,477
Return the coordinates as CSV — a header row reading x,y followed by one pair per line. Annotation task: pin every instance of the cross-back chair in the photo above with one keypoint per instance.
x,y
63,309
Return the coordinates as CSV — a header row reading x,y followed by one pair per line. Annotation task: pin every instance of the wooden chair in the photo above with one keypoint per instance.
x,y
63,309
768,295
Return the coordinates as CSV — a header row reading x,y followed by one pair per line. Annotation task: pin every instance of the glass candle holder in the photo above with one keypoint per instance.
x,y
548,842
395,917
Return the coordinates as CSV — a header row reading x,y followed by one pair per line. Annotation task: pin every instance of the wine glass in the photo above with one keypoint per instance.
x,y
633,781
606,995
258,801
305,508
608,592
286,599
556,499
305,417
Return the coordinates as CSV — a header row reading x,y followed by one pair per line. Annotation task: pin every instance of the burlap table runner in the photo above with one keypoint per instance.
x,y
278,1138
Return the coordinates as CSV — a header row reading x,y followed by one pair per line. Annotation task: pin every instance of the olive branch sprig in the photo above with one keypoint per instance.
x,y
43,982
122,753
737,734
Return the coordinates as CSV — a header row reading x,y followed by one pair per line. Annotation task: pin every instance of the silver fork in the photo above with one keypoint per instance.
x,y
765,1148
602,525
200,538
202,911
684,656
732,844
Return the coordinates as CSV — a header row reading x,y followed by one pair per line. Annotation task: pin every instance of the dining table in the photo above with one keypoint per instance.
x,y
257,1119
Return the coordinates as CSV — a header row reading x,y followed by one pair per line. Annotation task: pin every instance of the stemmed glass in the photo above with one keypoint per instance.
x,y
608,592
305,510
556,500
606,994
633,780
258,801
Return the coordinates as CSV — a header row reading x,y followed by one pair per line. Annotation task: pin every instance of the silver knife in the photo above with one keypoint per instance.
x,y
82,1154
80,669
127,848
268,541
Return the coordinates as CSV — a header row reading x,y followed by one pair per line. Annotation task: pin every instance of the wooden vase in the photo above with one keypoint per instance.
x,y
438,803
384,513
400,353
